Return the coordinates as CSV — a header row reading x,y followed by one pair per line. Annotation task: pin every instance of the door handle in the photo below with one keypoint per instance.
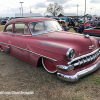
x,y
12,34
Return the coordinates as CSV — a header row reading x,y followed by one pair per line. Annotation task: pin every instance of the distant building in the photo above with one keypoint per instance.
x,y
28,15
67,15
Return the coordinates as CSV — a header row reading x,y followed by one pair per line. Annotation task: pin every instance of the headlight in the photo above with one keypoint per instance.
x,y
70,53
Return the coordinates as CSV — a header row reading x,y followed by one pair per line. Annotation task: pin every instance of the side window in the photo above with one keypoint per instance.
x,y
39,26
8,28
21,28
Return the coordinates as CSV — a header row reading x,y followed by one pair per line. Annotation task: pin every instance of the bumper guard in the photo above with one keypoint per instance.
x,y
79,74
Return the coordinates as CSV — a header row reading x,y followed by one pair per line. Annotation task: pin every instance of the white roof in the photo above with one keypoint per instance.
x,y
29,15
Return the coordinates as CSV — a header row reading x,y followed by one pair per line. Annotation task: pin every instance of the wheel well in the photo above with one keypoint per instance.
x,y
39,63
7,50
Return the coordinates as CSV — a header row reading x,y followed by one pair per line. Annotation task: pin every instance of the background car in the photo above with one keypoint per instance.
x,y
58,19
4,21
71,22
95,31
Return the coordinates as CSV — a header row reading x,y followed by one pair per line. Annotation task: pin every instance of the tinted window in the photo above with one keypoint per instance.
x,y
21,28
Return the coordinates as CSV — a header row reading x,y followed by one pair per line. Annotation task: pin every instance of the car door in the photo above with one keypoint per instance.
x,y
4,41
19,40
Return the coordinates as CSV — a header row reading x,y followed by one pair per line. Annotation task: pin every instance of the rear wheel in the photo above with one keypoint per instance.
x,y
48,65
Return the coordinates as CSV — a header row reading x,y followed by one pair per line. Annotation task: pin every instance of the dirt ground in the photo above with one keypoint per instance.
x,y
16,75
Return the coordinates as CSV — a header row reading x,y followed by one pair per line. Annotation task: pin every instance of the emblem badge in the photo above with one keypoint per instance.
x,y
91,47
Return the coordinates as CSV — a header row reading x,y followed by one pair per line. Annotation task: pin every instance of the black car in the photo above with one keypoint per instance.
x,y
71,22
4,21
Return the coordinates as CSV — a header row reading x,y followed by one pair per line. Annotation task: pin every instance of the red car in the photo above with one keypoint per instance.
x,y
95,31
41,40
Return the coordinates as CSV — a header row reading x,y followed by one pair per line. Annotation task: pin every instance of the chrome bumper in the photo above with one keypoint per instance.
x,y
79,74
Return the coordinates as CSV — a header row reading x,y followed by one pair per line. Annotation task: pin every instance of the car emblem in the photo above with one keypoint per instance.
x,y
91,47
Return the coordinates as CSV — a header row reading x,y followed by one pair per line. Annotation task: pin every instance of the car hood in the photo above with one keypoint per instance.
x,y
60,42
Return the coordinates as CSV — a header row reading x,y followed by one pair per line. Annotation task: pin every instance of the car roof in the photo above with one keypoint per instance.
x,y
30,19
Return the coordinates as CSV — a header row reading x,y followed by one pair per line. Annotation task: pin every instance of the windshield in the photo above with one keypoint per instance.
x,y
44,27
5,19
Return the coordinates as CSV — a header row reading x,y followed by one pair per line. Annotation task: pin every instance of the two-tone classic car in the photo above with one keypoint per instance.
x,y
41,40
95,31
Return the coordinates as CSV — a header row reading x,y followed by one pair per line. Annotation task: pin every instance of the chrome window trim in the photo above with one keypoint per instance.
x,y
7,32
39,21
22,33
6,27
30,51
16,34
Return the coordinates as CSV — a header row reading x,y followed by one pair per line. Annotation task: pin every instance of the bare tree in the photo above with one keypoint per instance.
x,y
54,9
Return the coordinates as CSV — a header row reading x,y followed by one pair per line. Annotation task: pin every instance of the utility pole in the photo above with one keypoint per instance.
x,y
77,12
81,13
90,10
21,8
85,10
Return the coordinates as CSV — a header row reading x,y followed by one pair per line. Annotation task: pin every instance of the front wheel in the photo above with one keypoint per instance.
x,y
48,65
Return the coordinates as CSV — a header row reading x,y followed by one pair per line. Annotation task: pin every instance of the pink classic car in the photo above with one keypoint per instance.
x,y
41,40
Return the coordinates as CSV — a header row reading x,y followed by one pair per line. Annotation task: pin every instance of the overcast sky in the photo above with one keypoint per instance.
x,y
8,8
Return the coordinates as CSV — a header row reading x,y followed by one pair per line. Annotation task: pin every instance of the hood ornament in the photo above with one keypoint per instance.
x,y
91,47
87,36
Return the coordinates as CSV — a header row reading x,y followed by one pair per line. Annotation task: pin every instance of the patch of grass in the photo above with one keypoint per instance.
x,y
87,78
97,80
91,78
71,30
1,27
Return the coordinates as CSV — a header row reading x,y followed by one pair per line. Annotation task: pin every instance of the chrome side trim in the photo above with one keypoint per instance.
x,y
79,74
42,56
30,51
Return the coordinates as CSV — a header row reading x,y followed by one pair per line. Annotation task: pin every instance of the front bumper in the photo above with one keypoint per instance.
x,y
79,74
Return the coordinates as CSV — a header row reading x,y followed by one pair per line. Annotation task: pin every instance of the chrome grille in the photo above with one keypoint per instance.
x,y
84,59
